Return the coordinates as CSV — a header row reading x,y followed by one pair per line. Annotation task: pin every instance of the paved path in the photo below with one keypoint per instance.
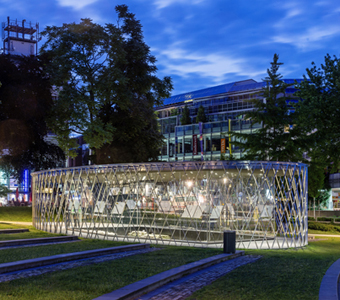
x,y
70,264
17,222
326,235
184,287
329,288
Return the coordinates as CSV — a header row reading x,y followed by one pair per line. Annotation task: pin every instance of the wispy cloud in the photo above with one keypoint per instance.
x,y
164,3
76,4
309,39
216,66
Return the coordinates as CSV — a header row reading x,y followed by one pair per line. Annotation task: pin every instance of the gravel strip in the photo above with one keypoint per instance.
x,y
71,264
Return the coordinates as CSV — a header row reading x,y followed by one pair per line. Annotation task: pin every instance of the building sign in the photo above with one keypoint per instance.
x,y
26,181
194,144
222,145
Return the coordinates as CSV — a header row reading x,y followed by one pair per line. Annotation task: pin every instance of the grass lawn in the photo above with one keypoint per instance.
x,y
20,214
88,282
33,233
280,274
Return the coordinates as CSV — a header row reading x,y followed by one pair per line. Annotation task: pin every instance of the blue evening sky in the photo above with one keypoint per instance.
x,y
202,43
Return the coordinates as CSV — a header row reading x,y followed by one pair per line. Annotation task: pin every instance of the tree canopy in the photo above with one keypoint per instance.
x,y
318,113
185,118
25,104
276,138
107,88
201,117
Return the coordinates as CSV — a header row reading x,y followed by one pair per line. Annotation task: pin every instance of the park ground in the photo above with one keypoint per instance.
x,y
280,274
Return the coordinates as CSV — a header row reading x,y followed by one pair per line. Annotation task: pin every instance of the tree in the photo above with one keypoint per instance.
x,y
25,104
318,112
4,190
185,119
107,87
277,139
201,117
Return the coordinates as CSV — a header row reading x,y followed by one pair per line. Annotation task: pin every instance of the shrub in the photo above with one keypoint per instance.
x,y
311,219
327,219
323,227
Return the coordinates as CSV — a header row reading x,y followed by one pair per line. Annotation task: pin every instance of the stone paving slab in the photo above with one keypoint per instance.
x,y
37,241
71,264
149,284
183,288
48,260
8,231
329,284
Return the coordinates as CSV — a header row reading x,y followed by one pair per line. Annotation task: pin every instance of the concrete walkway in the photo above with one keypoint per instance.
x,y
329,288
17,222
136,289
49,260
186,286
35,241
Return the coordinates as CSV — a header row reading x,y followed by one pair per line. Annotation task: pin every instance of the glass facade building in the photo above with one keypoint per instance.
x,y
224,107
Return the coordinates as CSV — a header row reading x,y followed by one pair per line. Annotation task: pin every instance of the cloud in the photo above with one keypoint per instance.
x,y
308,40
164,3
215,66
76,4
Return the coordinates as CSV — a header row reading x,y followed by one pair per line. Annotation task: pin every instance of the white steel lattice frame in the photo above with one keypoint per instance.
x,y
177,203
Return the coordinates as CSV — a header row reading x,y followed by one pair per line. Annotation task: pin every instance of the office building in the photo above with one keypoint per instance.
x,y
224,106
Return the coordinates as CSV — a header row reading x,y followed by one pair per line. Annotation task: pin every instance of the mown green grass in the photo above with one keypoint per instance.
x,y
17,214
280,274
14,254
33,233
88,282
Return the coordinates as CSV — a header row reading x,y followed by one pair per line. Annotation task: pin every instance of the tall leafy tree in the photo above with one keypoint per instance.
x,y
25,104
108,88
185,118
318,112
137,137
276,139
201,117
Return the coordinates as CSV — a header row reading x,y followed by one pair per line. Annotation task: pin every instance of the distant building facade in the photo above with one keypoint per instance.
x,y
20,37
224,106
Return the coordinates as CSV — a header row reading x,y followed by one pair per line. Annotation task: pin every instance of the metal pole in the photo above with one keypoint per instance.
x,y
229,241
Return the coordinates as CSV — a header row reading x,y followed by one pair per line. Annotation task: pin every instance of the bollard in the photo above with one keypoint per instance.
x,y
229,241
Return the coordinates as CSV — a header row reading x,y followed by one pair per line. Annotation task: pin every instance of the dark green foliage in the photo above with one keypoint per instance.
x,y
4,190
323,227
109,88
273,141
318,112
201,117
185,119
311,219
326,219
25,105
316,176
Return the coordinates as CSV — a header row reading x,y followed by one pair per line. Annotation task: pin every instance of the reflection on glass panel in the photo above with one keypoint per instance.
x,y
188,145
216,144
207,143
